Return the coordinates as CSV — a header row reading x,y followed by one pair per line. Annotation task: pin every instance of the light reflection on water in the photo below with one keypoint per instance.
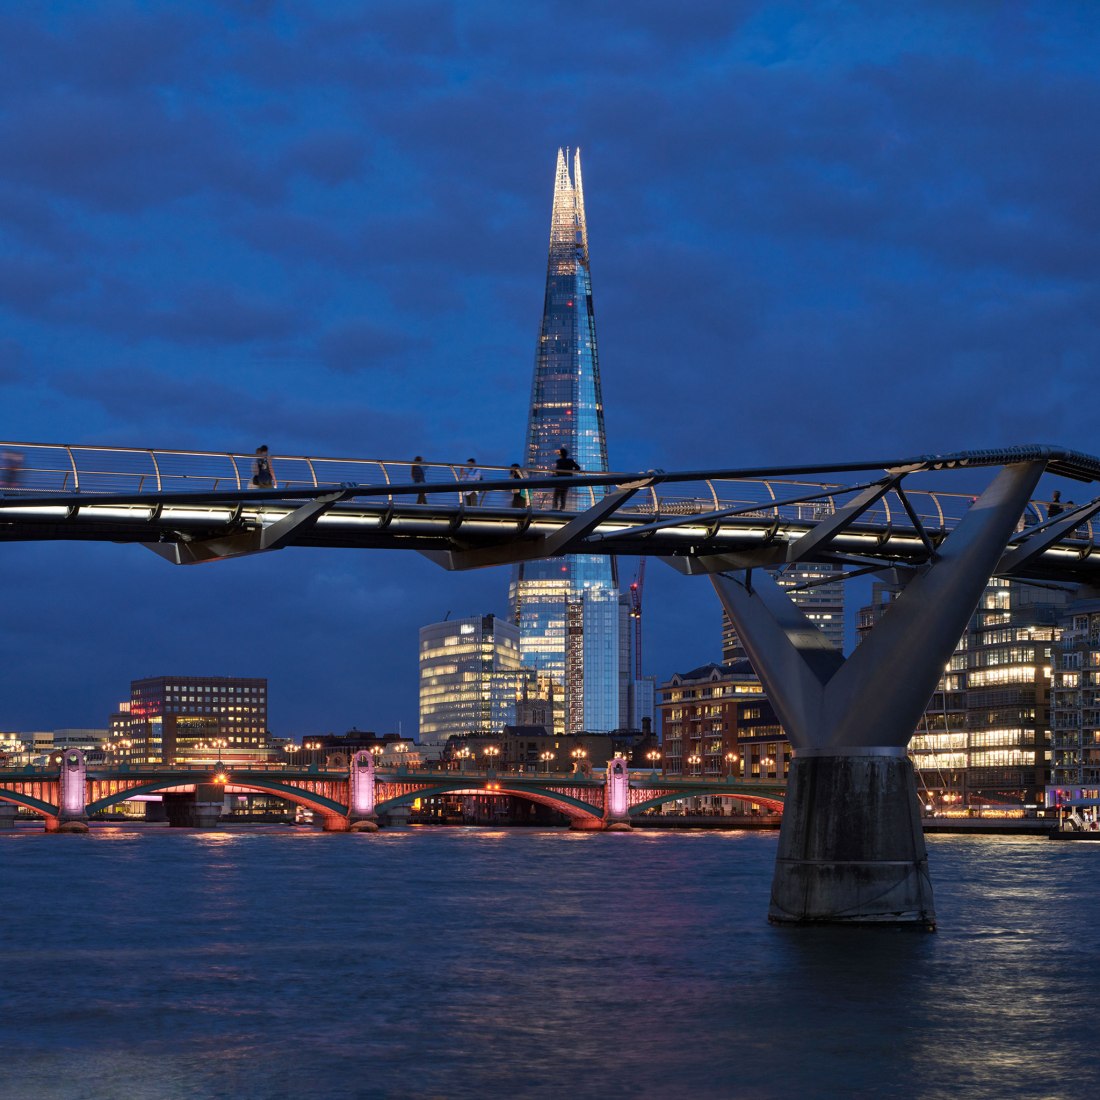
x,y
267,962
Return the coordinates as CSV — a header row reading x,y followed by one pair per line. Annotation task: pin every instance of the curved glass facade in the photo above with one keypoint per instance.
x,y
566,608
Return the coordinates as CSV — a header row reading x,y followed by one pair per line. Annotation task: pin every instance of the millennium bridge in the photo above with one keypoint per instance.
x,y
353,798
851,848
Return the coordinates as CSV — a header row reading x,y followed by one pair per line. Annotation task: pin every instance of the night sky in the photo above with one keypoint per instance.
x,y
818,232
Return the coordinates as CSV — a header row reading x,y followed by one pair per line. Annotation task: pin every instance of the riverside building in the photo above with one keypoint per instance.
x,y
717,721
1075,711
567,609
192,719
985,737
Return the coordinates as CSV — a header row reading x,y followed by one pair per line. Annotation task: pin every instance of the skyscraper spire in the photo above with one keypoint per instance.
x,y
567,608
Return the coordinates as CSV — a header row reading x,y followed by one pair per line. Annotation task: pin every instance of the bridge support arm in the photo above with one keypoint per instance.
x,y
851,849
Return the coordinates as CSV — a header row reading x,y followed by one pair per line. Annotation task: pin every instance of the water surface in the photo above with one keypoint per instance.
x,y
275,962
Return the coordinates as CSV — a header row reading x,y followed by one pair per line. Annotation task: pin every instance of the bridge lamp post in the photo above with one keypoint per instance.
x,y
491,752
579,756
731,761
463,755
546,757
695,760
653,756
766,765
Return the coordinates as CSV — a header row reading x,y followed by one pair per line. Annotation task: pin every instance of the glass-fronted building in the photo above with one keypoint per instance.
x,y
470,678
1075,716
567,608
985,737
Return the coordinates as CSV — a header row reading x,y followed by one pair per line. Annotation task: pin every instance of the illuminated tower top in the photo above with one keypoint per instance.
x,y
566,401
567,609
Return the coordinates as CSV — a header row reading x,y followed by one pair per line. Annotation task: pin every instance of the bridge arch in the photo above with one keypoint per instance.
x,y
306,799
28,802
584,813
770,801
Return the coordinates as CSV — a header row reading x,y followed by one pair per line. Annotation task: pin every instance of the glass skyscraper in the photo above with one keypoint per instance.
x,y
470,678
567,609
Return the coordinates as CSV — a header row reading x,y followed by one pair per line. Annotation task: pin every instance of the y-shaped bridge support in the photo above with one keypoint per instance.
x,y
851,848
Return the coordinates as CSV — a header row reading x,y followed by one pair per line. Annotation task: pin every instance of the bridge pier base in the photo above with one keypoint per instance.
x,y
8,812
851,848
586,825
195,811
363,825
335,823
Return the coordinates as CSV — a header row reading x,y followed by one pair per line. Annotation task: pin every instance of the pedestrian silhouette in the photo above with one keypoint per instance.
x,y
1055,507
470,473
11,469
564,467
519,495
262,475
417,473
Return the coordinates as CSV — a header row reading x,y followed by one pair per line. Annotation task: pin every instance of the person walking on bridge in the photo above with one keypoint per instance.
x,y
417,474
263,477
470,473
519,494
564,467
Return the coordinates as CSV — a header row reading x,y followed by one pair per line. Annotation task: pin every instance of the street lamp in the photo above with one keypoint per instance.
x,y
766,765
731,760
653,756
463,755
695,760
492,752
546,757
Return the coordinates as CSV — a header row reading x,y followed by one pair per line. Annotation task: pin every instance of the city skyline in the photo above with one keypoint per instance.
x,y
819,234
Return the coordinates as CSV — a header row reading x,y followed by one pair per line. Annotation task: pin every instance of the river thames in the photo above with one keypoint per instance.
x,y
266,962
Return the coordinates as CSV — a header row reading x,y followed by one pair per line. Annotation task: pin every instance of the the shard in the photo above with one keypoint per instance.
x,y
567,609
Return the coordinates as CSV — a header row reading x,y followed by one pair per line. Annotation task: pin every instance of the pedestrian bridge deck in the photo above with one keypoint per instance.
x,y
198,506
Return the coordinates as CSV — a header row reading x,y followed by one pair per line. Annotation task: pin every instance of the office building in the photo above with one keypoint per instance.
x,y
985,737
471,676
567,609
193,719
1075,712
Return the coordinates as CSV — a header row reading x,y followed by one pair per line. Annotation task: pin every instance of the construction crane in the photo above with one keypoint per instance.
x,y
636,587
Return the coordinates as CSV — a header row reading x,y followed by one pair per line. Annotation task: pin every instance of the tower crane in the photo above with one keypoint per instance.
x,y
636,587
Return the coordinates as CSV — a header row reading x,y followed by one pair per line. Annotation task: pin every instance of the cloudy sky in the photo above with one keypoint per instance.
x,y
818,231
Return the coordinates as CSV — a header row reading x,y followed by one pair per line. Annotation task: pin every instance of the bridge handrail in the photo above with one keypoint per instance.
x,y
58,469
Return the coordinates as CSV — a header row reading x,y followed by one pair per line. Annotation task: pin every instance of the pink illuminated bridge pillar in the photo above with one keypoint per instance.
x,y
617,796
72,803
361,816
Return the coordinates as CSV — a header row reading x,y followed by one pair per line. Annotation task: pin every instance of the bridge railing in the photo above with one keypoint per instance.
x,y
45,469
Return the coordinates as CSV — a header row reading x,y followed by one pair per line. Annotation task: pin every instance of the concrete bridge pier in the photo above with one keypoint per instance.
x,y
72,804
8,813
851,850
